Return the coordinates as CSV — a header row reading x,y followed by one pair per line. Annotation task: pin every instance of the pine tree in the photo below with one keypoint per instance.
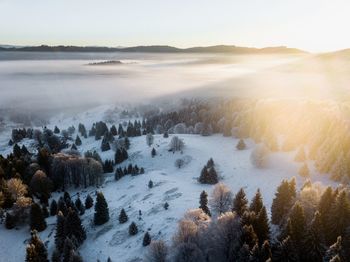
x,y
248,236
166,206
53,208
68,248
240,203
56,130
203,201
36,250
256,203
133,229
314,247
60,235
101,215
298,223
146,239
123,218
340,215
282,203
74,228
78,141
241,145
79,206
153,153
262,228
37,219
89,202
326,201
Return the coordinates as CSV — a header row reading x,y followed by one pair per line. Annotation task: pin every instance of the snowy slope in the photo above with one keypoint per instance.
x,y
178,187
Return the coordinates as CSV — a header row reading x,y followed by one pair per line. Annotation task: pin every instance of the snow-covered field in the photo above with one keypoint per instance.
x,y
178,187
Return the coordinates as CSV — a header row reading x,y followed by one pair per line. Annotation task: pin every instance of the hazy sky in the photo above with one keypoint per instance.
x,y
314,25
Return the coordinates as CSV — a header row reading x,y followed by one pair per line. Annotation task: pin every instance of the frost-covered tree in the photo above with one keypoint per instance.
x,y
241,145
259,156
149,139
221,199
304,171
158,252
176,144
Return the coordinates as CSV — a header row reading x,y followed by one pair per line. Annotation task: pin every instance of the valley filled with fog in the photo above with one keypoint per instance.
x,y
62,81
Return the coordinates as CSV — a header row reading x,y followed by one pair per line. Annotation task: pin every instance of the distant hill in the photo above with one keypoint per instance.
x,y
157,49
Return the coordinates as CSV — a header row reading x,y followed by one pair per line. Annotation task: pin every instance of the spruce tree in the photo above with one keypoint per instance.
x,y
123,218
240,203
74,228
241,145
133,229
203,201
146,239
340,215
56,130
89,202
326,201
150,184
68,248
262,227
298,223
153,152
53,208
314,247
282,202
256,203
248,236
286,252
79,206
101,215
166,206
78,141
60,235
36,250
37,219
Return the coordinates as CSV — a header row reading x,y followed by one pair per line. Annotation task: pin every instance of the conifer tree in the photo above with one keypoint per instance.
x,y
262,228
133,229
241,145
78,141
256,203
37,219
282,202
166,206
123,218
298,223
153,153
326,201
101,215
56,256
68,248
150,184
60,235
265,252
314,247
248,236
244,253
286,252
53,208
340,215
56,130
240,203
89,202
36,250
74,228
146,239
79,206
203,201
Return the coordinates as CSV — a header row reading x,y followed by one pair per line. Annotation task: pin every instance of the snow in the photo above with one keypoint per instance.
x,y
178,187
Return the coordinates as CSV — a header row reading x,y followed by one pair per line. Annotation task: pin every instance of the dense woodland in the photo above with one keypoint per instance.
x,y
312,224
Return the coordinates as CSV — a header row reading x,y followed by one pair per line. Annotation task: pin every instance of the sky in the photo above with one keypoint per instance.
x,y
312,25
